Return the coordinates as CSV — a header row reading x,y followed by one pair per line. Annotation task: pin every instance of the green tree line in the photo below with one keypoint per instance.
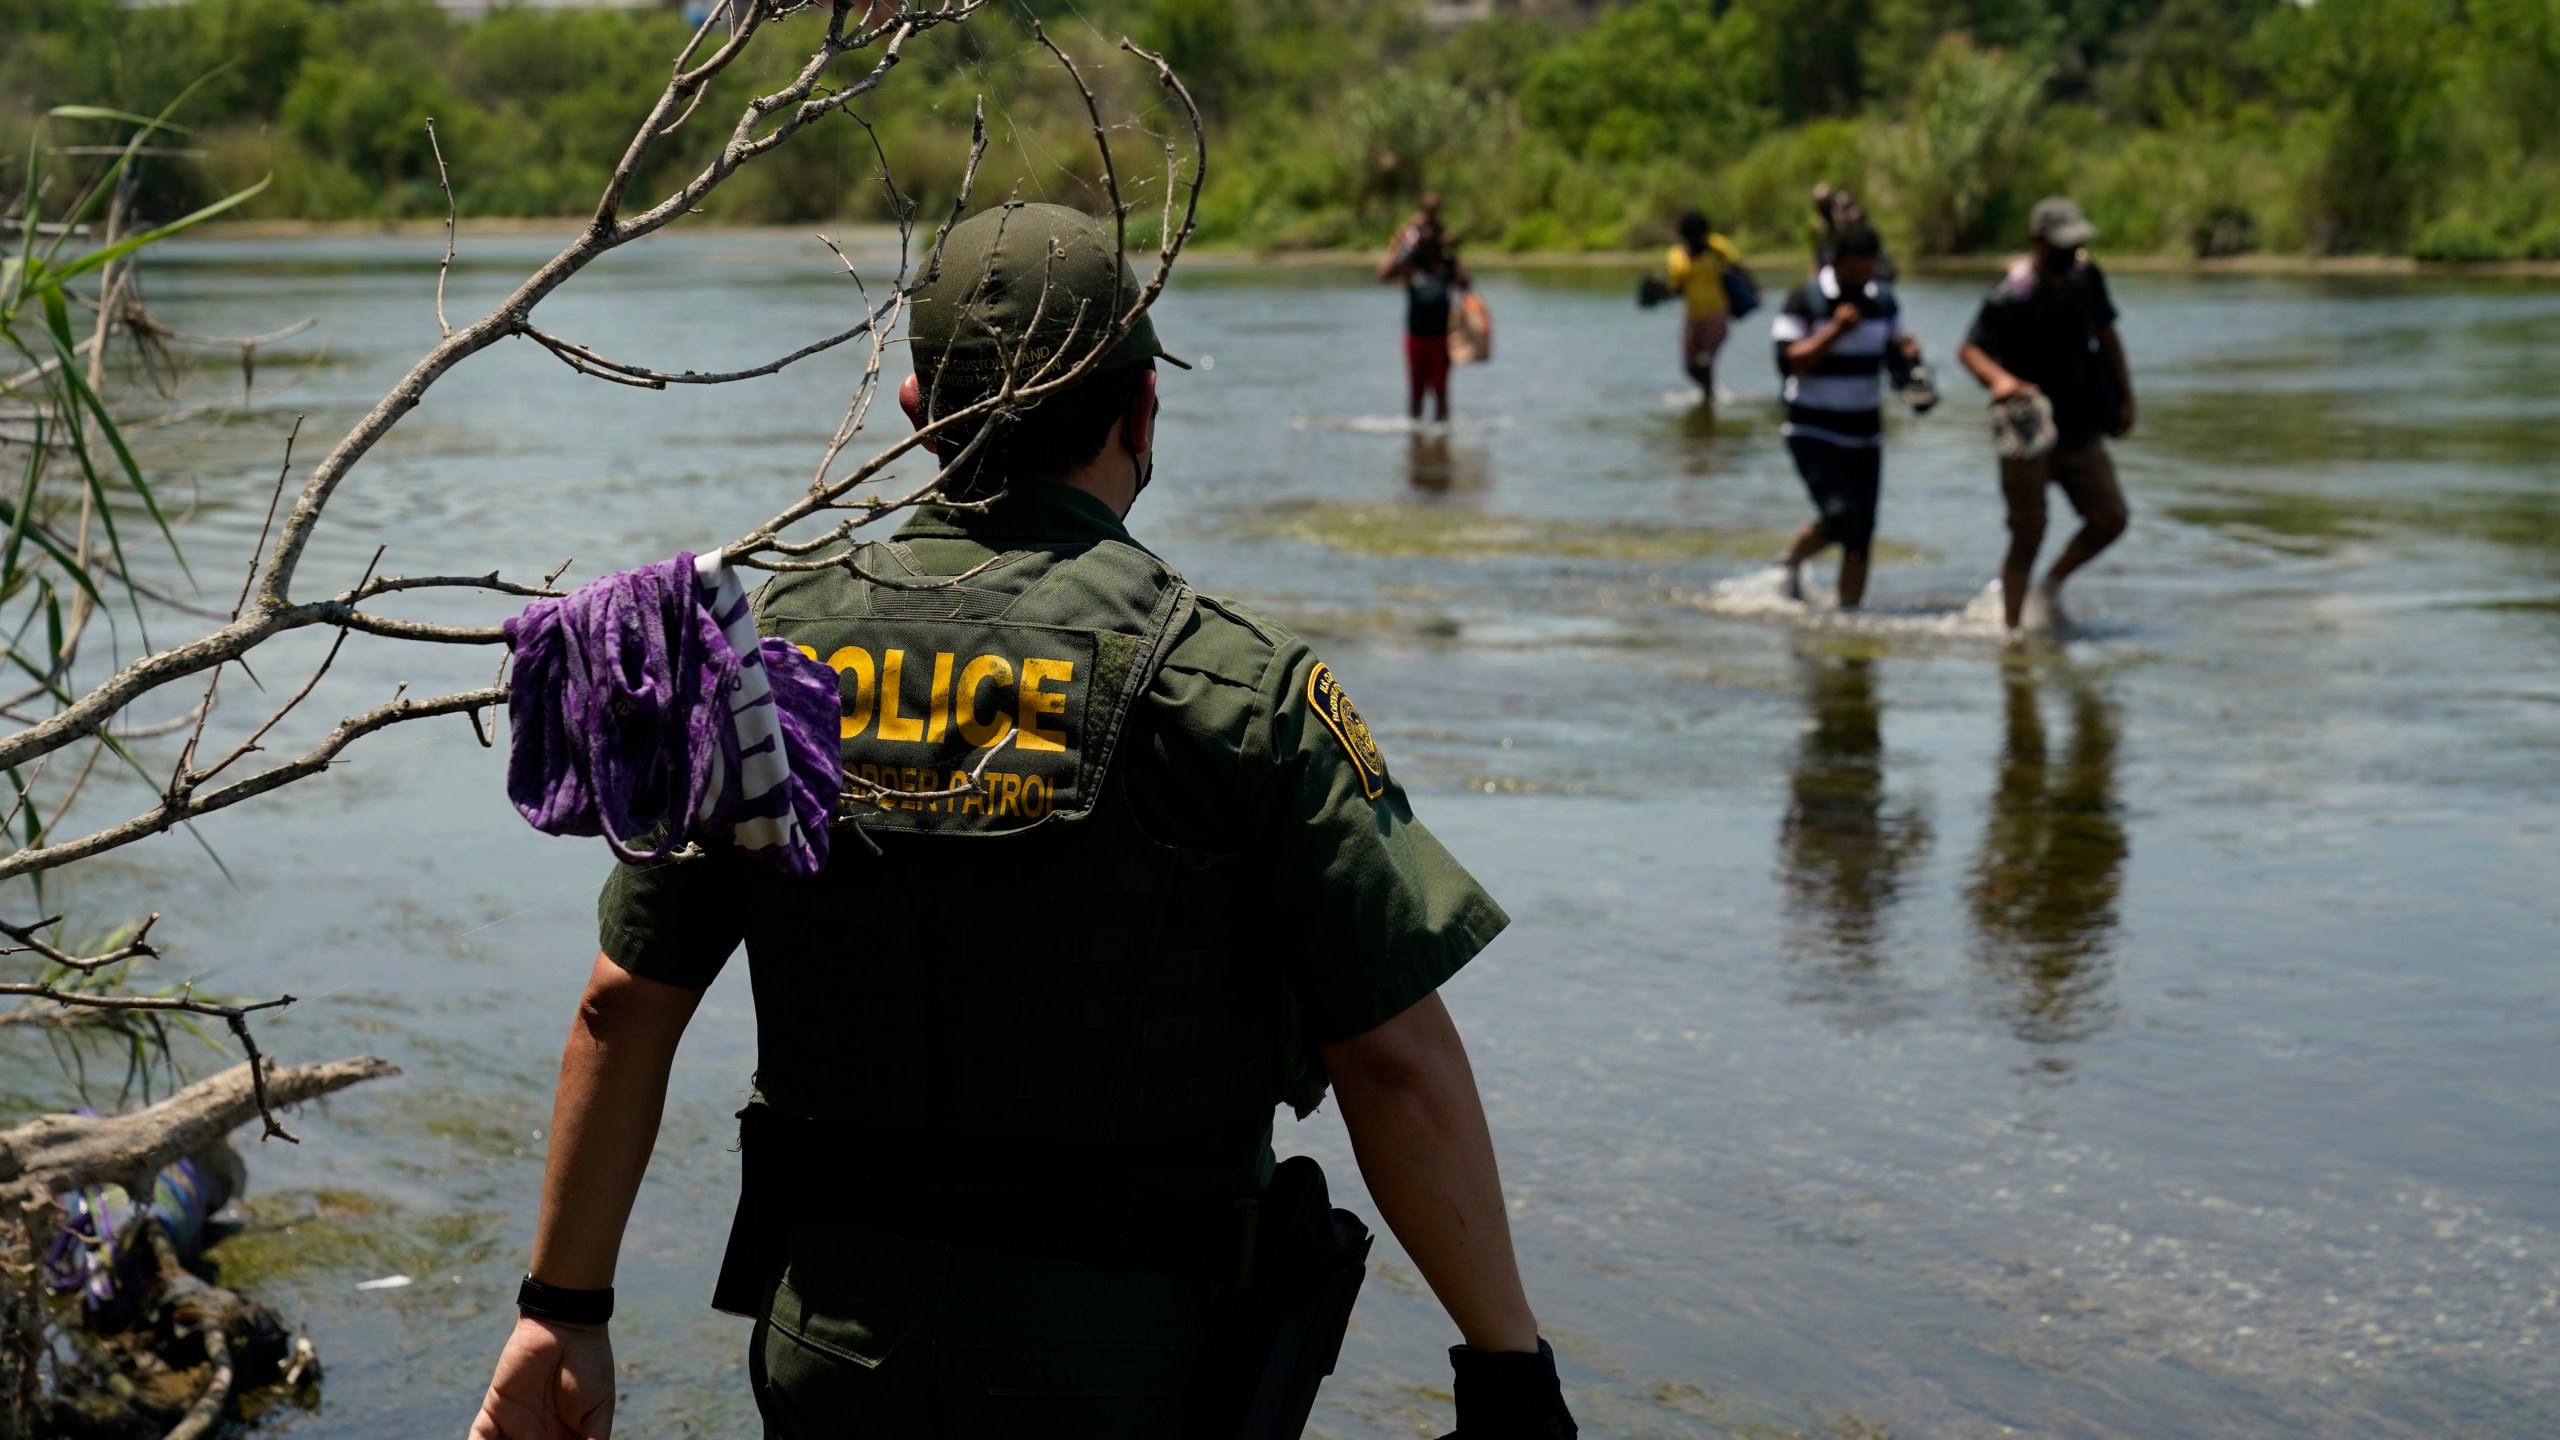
x,y
2183,126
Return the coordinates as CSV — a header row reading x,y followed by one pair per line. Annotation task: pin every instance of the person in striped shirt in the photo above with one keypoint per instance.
x,y
1833,337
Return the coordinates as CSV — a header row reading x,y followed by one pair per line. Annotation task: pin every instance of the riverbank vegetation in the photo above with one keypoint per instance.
x,y
2209,127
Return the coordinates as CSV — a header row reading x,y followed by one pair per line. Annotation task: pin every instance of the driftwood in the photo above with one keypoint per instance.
x,y
53,1154
56,1153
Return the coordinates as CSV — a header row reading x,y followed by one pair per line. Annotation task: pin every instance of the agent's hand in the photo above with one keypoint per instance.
x,y
554,1382
1509,1395
2124,419
1910,345
2010,387
1847,315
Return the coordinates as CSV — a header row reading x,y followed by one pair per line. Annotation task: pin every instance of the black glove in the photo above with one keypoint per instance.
x,y
1509,1395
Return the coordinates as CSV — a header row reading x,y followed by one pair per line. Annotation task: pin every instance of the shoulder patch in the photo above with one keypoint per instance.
x,y
1333,706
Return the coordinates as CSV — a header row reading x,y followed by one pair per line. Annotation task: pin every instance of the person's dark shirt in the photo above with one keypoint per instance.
x,y
2046,333
1427,285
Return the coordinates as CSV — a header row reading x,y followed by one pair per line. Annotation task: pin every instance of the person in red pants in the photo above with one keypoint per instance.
x,y
1426,260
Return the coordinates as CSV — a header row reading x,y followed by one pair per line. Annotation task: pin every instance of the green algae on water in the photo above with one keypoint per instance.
x,y
297,1236
2300,522
1446,532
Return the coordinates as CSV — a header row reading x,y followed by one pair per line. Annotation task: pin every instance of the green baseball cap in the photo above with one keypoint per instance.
x,y
976,313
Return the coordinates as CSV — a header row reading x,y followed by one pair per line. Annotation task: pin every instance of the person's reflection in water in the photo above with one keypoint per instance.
x,y
1698,443
1844,849
1701,426
2051,869
1434,465
1712,441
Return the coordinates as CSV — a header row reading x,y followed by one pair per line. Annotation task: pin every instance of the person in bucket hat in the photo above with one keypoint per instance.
x,y
2048,329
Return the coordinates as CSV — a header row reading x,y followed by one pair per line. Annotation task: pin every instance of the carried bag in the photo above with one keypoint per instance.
x,y
1470,331
1651,290
1741,292
1913,380
2022,426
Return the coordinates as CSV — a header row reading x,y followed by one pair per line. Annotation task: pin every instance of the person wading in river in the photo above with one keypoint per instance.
x,y
1696,268
1426,260
1833,212
1020,1042
1825,224
2049,327
1834,336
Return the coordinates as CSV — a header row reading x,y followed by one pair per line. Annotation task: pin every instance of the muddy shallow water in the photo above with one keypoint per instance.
x,y
2149,1035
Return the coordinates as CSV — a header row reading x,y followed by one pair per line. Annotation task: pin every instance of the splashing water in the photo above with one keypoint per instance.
x,y
1400,425
1724,398
1764,594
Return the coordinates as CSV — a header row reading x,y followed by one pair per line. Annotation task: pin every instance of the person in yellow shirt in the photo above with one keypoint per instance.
x,y
1697,265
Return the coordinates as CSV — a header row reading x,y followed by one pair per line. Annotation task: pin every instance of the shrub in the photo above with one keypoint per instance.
x,y
1964,144
1408,131
2215,126
2370,75
1653,78
1763,197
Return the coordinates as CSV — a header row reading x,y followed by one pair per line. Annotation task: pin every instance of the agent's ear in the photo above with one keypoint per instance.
x,y
911,400
1138,426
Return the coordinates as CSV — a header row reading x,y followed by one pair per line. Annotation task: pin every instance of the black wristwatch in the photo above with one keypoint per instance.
x,y
564,1307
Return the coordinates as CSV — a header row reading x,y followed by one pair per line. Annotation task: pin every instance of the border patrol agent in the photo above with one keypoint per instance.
x,y
1120,869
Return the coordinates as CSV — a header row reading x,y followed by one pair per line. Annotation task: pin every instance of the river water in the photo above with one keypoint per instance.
x,y
1899,1032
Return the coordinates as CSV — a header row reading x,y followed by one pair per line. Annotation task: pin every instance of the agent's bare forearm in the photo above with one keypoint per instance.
x,y
1409,1099
604,1120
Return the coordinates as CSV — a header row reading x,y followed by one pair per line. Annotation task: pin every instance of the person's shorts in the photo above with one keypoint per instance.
x,y
1426,364
874,1333
2087,475
1702,337
1845,482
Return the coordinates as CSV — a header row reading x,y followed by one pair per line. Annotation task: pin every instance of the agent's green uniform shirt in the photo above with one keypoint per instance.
x,y
1226,753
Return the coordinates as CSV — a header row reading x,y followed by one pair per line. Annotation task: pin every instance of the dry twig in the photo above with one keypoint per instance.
x,y
444,267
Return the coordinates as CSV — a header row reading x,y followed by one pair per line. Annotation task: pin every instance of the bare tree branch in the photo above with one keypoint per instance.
x,y
444,267
56,1153
136,946
149,324
189,779
588,362
181,806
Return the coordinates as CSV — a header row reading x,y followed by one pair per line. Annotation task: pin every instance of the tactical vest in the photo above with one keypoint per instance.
x,y
1049,974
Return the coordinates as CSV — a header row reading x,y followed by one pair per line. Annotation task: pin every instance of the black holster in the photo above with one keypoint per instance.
x,y
1299,1264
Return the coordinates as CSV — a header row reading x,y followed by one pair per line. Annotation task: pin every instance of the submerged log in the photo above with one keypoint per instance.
x,y
55,1153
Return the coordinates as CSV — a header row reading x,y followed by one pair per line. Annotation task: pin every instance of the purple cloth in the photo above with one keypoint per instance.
x,y
621,724
98,1249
